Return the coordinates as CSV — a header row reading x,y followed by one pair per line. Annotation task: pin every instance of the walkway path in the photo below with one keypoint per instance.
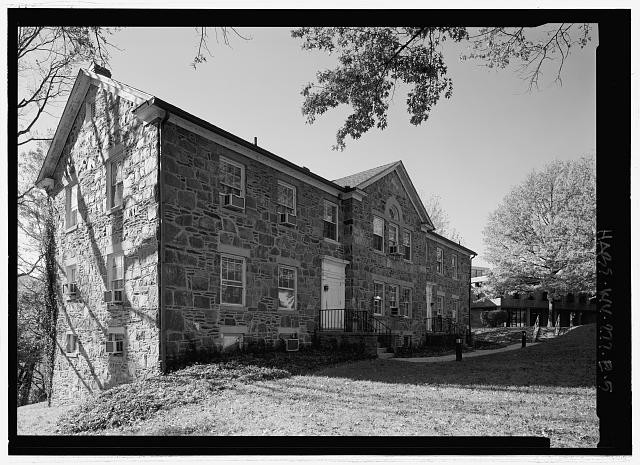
x,y
452,357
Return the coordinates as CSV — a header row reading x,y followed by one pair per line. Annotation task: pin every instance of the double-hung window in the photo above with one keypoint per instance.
x,y
232,280
454,266
115,185
405,302
440,304
406,243
115,341
71,343
231,177
286,288
378,233
456,309
330,220
71,206
393,299
115,271
378,298
439,260
286,198
392,238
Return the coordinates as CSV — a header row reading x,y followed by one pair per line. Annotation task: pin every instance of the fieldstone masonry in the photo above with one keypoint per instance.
x,y
173,226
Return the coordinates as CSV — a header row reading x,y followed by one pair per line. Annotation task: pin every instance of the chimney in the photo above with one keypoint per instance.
x,y
96,68
255,141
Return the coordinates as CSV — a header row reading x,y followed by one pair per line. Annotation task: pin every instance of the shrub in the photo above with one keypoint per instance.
x,y
494,318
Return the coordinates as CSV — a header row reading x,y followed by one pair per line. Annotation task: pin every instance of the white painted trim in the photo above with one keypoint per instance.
x,y
447,244
357,194
378,176
295,287
244,280
117,88
335,260
337,223
295,195
251,154
243,173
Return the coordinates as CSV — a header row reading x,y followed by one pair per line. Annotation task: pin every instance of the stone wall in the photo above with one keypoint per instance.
x,y
337,341
369,265
197,230
99,232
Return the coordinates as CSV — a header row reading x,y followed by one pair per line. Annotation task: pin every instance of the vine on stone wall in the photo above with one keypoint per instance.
x,y
50,300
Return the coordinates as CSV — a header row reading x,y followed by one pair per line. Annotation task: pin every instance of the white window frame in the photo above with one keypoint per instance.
x,y
294,289
454,266
324,220
404,308
110,162
381,301
115,336
287,208
111,278
71,206
71,336
381,249
396,288
242,175
71,270
439,260
244,280
440,305
408,234
392,242
456,309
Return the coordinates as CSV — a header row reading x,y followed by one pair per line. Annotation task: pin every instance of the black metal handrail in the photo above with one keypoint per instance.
x,y
447,325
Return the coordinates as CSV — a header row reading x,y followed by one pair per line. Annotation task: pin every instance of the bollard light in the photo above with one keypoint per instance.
x,y
458,349
524,339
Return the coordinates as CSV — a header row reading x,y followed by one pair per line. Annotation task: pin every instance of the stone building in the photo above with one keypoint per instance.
x,y
176,236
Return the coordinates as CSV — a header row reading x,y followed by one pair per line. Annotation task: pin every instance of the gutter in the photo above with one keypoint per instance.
x,y
469,307
160,239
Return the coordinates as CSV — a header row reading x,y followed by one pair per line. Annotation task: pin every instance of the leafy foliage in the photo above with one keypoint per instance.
x,y
440,219
372,60
542,235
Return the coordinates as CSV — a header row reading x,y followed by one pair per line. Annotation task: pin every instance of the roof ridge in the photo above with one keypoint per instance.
x,y
358,178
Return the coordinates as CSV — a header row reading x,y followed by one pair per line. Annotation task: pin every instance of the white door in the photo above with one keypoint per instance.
x,y
430,308
332,294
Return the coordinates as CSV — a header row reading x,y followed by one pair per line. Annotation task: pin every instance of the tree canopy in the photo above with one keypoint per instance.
x,y
543,234
373,60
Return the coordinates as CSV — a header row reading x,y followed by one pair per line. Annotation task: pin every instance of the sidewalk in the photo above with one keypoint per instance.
x,y
452,357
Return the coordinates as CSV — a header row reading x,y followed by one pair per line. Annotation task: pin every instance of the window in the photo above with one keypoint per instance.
x,y
71,274
286,198
71,343
392,237
71,206
330,220
405,302
393,213
378,233
456,309
454,266
231,177
232,280
115,185
378,298
406,243
115,271
440,304
439,260
115,341
286,288
393,299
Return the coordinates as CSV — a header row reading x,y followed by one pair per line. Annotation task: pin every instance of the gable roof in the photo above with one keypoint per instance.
x,y
365,178
72,107
356,179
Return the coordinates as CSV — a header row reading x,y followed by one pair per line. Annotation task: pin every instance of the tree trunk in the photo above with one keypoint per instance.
x,y
50,303
25,378
550,319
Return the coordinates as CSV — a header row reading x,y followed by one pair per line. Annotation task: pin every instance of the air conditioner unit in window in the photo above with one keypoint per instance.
x,y
233,201
396,250
288,219
292,345
69,289
394,311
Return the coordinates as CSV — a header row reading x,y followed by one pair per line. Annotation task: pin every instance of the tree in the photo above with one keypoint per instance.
x,y
440,219
542,235
373,60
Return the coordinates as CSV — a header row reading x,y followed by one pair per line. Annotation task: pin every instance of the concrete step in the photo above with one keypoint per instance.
x,y
382,353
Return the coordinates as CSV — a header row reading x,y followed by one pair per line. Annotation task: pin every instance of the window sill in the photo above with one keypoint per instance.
x,y
330,241
379,252
113,210
287,310
71,354
71,229
224,306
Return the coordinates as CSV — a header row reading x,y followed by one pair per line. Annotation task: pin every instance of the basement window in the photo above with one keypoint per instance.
x,y
71,344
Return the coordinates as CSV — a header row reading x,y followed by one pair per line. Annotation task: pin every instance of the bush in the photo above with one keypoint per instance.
x,y
493,318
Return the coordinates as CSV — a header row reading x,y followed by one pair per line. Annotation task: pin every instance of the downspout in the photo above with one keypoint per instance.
x,y
469,307
160,239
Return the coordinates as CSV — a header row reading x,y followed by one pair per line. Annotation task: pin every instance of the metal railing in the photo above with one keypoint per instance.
x,y
348,320
447,325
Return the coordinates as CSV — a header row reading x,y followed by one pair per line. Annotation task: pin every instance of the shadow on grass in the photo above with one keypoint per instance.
x,y
567,361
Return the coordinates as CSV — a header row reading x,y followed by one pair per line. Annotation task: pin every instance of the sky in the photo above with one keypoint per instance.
x,y
471,151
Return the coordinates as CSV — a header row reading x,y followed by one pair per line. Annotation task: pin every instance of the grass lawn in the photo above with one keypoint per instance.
x,y
544,390
37,419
